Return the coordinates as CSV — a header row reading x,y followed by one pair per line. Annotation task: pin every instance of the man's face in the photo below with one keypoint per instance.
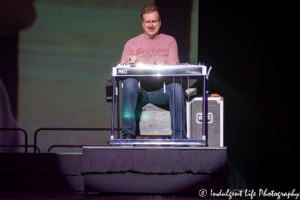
x,y
151,24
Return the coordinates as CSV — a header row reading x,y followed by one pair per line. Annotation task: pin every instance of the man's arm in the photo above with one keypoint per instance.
x,y
127,55
157,62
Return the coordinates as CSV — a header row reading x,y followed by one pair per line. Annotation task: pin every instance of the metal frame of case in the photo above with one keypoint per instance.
x,y
221,112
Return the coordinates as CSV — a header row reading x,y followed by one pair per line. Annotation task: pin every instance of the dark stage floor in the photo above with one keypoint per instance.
x,y
52,196
73,195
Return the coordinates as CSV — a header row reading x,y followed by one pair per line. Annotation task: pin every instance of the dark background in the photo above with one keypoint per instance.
x,y
251,46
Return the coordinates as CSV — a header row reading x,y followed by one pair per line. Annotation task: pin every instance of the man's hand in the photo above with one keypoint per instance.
x,y
132,59
156,62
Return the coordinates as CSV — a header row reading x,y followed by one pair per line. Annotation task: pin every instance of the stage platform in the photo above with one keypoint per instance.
x,y
154,170
117,170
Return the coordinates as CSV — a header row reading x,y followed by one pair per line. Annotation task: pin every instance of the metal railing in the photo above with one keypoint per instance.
x,y
69,146
18,129
67,129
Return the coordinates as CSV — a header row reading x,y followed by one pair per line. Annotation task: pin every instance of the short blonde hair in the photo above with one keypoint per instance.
x,y
150,9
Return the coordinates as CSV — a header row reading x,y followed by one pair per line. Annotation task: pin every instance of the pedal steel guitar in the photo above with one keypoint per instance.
x,y
121,72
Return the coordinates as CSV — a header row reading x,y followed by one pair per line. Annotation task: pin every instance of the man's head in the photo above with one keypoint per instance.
x,y
151,21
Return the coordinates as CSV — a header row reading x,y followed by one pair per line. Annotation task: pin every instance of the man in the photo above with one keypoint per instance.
x,y
15,16
151,47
